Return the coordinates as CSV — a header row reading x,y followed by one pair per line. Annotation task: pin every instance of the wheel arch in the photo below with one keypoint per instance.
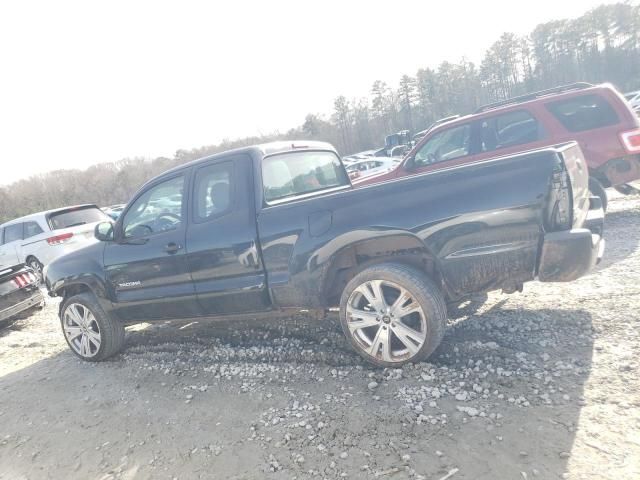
x,y
85,284
74,289
400,248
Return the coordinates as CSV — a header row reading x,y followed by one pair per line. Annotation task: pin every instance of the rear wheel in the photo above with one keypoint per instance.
x,y
393,314
596,188
90,333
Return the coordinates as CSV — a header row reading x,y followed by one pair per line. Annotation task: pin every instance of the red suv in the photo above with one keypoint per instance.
x,y
597,117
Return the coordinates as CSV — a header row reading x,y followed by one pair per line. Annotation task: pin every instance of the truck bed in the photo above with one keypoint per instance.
x,y
480,226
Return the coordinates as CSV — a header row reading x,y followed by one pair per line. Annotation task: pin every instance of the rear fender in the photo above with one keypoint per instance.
x,y
353,256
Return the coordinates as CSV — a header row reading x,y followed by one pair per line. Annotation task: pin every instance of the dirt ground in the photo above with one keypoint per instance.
x,y
542,384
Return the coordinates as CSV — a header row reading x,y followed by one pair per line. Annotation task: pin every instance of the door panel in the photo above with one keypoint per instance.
x,y
221,239
146,268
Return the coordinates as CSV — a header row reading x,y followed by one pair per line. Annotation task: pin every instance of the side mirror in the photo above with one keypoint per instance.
x,y
104,231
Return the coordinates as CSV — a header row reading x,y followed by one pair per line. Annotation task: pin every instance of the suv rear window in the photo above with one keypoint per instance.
x,y
76,216
291,174
585,112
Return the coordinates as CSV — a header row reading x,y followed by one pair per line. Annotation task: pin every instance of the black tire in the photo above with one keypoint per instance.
x,y
36,266
427,295
111,331
466,307
596,188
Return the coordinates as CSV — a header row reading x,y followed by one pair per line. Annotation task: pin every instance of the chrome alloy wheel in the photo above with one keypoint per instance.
x,y
386,321
82,330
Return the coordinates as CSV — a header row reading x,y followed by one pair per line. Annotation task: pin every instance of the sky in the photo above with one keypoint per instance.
x,y
88,82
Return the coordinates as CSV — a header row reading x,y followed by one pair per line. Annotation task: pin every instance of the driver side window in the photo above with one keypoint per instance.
x,y
446,145
159,209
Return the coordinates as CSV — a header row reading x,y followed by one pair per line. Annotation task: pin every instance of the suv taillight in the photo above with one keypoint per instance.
x,y
58,239
631,140
24,279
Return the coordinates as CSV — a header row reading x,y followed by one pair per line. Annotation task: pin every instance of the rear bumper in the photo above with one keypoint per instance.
x,y
570,254
35,299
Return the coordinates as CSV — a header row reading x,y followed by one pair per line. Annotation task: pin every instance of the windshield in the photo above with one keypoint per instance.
x,y
76,216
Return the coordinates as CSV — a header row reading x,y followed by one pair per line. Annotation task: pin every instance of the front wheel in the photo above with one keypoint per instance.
x,y
90,333
393,314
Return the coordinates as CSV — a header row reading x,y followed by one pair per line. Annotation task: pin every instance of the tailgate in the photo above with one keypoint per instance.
x,y
579,176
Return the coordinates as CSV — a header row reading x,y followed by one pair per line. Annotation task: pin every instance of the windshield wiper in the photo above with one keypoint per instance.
x,y
76,224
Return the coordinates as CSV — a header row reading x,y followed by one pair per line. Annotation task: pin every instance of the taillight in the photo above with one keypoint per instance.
x,y
24,279
561,216
631,140
58,239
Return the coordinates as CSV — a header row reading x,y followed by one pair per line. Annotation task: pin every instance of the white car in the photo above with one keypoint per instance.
x,y
355,157
372,166
40,238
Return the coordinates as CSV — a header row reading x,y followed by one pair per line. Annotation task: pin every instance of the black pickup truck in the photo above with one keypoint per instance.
x,y
278,227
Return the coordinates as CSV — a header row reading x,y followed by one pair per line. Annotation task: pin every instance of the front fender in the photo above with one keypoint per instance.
x,y
78,271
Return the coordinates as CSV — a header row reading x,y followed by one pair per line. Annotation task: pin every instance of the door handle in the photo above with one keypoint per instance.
x,y
172,248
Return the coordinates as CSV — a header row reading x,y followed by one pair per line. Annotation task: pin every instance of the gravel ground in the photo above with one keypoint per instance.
x,y
542,384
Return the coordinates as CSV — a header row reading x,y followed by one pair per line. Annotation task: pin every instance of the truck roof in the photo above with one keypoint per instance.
x,y
259,150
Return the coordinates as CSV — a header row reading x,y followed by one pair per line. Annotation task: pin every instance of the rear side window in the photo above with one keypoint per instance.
x,y
31,229
585,112
76,216
291,174
13,233
510,129
212,194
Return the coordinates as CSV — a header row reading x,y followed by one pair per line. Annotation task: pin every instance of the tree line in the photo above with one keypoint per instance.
x,y
603,45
